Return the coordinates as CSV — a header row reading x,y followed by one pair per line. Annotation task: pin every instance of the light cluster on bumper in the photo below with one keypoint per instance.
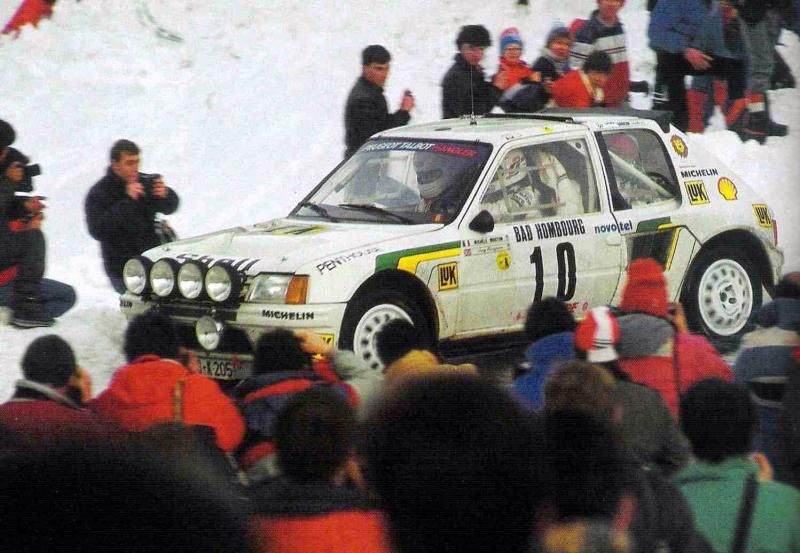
x,y
169,278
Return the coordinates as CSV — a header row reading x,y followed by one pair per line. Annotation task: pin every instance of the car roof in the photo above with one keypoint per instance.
x,y
500,127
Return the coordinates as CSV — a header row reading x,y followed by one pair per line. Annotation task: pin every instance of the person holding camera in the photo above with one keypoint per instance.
x,y
121,210
366,112
35,301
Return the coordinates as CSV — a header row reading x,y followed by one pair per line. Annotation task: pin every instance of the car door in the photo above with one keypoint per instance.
x,y
645,194
561,237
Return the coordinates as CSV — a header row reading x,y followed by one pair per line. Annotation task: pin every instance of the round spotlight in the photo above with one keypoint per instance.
x,y
209,332
190,280
222,283
134,274
162,277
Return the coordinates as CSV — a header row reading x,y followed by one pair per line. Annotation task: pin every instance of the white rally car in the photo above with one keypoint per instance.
x,y
458,225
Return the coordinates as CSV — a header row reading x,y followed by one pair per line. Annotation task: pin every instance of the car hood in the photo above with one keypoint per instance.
x,y
284,245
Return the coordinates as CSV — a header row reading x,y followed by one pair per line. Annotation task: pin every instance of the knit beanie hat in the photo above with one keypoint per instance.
x,y
508,37
49,360
597,336
646,288
7,135
558,30
477,35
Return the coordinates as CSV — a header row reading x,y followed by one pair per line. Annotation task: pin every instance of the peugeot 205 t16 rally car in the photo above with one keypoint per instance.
x,y
458,225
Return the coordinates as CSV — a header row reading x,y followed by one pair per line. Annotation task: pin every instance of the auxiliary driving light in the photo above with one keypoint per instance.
x,y
209,332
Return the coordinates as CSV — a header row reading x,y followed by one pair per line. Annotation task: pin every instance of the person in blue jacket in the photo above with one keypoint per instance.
x,y
551,329
688,40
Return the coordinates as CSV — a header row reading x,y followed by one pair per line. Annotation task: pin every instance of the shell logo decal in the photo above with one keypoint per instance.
x,y
679,145
727,189
503,260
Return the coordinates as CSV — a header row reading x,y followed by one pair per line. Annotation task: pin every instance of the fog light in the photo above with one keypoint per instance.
x,y
209,332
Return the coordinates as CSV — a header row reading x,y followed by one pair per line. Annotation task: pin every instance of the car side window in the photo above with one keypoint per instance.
x,y
542,180
641,167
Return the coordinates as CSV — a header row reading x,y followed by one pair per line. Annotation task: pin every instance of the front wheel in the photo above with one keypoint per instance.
x,y
722,291
367,315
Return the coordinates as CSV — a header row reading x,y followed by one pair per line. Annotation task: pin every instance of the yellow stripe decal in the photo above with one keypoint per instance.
x,y
410,263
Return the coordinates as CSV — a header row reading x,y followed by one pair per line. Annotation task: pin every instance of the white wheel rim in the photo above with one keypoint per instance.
x,y
725,297
369,325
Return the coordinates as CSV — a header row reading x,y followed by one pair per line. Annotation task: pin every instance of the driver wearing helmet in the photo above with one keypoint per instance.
x,y
433,179
511,189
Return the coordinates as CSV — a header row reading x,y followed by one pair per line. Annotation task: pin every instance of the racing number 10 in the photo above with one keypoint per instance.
x,y
565,256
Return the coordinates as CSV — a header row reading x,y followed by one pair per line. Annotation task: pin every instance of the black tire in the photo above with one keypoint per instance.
x,y
722,291
366,315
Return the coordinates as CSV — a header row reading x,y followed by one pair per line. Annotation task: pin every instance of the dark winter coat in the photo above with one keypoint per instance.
x,y
124,227
762,365
464,88
262,397
549,67
367,113
648,430
290,517
662,519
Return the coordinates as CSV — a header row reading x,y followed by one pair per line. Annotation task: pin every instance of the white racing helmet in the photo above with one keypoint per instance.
x,y
432,174
513,168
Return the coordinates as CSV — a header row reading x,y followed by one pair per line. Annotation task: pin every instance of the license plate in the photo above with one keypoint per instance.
x,y
225,367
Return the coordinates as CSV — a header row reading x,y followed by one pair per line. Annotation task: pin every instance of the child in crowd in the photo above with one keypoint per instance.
x,y
584,88
554,59
603,32
511,62
533,93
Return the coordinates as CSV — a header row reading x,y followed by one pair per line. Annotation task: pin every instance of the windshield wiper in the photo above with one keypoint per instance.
x,y
372,208
319,210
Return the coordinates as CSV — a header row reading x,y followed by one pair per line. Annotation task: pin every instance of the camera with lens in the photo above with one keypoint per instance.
x,y
32,170
148,180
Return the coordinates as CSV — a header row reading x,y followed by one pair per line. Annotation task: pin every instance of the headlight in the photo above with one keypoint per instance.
x,y
190,280
208,332
162,277
290,289
222,283
134,274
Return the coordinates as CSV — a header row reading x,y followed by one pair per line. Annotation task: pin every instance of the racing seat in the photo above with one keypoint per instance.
x,y
552,174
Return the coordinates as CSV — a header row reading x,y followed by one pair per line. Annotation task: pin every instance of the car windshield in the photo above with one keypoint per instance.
x,y
399,182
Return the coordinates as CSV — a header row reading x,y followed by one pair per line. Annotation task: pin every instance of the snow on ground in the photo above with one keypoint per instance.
x,y
244,116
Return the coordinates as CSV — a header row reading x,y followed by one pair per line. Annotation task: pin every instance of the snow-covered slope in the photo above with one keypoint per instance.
x,y
244,115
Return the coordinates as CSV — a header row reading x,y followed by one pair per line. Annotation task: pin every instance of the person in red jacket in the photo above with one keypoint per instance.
x,y
318,504
47,405
155,387
655,347
584,88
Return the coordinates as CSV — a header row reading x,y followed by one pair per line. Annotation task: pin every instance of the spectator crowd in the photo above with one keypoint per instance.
x,y
622,432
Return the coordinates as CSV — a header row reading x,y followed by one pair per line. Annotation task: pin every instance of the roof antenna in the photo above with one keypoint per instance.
x,y
472,119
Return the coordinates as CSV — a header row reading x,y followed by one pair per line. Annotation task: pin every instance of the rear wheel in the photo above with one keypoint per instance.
x,y
367,315
722,291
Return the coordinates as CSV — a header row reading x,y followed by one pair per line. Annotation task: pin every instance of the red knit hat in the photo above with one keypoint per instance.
x,y
646,289
597,335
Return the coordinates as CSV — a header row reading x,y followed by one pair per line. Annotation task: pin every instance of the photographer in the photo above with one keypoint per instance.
x,y
121,210
22,246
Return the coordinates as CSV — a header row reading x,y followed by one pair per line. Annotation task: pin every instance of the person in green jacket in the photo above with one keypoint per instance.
x,y
720,420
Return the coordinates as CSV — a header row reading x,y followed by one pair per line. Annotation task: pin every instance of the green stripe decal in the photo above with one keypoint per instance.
x,y
652,224
391,260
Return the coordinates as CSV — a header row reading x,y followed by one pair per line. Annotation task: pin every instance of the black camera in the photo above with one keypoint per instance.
x,y
147,180
32,170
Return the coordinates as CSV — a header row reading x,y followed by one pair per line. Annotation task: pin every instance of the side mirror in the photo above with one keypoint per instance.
x,y
483,222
